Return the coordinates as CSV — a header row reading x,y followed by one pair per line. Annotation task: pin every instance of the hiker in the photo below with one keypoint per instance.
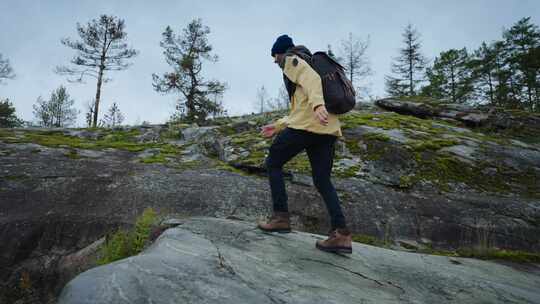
x,y
308,126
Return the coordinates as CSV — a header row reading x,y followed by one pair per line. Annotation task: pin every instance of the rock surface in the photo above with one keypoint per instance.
x,y
434,183
208,260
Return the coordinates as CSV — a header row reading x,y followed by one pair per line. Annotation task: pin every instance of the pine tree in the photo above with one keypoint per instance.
x,y
113,117
450,77
8,118
262,101
102,48
483,67
408,67
330,52
89,115
522,41
58,111
6,71
185,54
354,58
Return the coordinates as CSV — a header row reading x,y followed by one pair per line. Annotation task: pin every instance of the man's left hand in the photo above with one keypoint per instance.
x,y
322,114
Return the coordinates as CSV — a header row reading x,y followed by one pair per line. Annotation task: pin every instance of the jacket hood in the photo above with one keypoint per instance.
x,y
300,50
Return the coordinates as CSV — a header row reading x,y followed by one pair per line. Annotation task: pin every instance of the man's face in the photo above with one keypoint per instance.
x,y
278,58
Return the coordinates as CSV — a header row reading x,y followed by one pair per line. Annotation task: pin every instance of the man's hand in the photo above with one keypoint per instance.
x,y
268,130
321,114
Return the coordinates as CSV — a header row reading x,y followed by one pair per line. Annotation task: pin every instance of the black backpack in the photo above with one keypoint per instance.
x,y
338,91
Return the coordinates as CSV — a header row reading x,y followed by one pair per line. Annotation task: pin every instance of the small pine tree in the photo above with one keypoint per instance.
x,y
8,119
113,117
88,116
262,100
58,111
354,58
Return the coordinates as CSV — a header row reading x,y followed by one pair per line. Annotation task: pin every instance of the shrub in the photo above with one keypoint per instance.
x,y
123,243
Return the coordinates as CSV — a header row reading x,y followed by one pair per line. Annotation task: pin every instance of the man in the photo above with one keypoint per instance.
x,y
308,126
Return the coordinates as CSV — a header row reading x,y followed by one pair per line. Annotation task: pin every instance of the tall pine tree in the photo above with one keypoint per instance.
x,y
408,68
102,48
450,77
522,41
185,54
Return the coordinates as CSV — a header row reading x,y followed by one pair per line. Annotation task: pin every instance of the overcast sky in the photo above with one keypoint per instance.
x,y
242,33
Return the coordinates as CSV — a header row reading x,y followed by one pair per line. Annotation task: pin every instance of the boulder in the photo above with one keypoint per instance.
x,y
208,260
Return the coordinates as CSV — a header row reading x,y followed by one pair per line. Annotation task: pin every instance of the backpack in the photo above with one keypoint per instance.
x,y
338,91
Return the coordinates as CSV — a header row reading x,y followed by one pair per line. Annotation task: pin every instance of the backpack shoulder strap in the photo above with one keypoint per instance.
x,y
302,55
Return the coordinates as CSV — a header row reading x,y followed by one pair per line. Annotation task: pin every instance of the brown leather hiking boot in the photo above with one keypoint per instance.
x,y
339,241
278,222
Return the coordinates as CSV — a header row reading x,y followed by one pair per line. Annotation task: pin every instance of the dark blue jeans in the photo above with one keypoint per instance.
x,y
320,150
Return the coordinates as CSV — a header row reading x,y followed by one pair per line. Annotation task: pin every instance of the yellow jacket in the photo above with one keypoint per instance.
x,y
307,96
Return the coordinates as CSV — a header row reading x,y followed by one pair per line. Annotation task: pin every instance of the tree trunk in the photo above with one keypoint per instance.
x,y
411,85
490,81
453,77
98,96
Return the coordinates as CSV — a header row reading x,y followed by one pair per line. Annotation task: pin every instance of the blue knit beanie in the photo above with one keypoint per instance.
x,y
281,45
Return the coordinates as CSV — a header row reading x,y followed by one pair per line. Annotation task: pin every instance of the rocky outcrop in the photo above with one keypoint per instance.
x,y
206,260
492,117
431,183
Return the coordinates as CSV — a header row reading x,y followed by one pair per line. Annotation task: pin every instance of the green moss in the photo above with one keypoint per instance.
x,y
188,165
406,181
56,140
387,121
376,150
123,243
517,256
433,144
408,246
375,136
166,152
444,169
430,250
16,177
246,138
6,133
500,254
369,240
255,158
158,158
73,154
355,119
348,172
353,146
120,135
123,140
299,164
226,167
227,130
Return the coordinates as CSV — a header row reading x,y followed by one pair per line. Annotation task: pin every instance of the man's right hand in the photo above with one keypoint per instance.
x,y
268,130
